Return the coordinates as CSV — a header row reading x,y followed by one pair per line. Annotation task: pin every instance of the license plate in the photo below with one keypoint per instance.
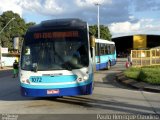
x,y
53,91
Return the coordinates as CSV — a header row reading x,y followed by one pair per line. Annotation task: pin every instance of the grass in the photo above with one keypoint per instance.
x,y
150,74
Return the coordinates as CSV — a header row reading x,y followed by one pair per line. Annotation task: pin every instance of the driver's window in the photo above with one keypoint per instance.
x,y
26,58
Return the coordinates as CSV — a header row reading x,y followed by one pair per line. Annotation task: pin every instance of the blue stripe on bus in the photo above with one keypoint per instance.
x,y
101,66
105,58
55,86
59,86
54,79
81,90
104,65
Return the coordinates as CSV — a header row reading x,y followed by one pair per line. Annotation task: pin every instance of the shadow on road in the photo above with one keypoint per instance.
x,y
97,104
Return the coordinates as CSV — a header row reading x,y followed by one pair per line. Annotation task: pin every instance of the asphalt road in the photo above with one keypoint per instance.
x,y
109,98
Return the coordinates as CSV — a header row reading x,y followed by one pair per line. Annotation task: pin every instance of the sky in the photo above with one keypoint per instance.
x,y
123,17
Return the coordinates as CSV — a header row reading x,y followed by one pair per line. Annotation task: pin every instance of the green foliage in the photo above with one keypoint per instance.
x,y
104,32
16,27
150,75
146,74
30,24
132,73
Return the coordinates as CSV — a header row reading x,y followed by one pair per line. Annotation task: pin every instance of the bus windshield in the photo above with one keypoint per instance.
x,y
64,53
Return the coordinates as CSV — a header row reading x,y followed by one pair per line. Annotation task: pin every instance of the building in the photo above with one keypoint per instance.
x,y
134,42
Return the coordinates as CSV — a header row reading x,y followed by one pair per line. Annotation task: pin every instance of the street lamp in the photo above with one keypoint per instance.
x,y
98,4
7,24
1,32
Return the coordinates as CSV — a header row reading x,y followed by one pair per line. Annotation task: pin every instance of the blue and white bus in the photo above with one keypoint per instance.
x,y
105,54
56,59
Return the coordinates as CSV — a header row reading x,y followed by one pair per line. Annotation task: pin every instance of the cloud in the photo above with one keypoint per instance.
x,y
30,5
122,16
84,9
91,3
143,26
47,7
146,5
61,8
124,27
12,5
118,11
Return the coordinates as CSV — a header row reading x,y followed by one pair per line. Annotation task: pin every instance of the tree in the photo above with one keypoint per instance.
x,y
30,24
104,32
16,27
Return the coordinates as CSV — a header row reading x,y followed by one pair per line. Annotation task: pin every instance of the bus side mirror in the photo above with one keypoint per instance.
x,y
92,41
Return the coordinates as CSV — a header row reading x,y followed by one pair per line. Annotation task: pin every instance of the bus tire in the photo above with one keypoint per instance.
x,y
108,65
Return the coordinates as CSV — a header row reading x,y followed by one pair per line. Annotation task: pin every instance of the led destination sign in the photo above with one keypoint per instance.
x,y
50,35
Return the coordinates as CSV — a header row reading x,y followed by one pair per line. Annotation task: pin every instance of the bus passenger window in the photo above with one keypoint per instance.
x,y
102,48
109,49
96,49
106,49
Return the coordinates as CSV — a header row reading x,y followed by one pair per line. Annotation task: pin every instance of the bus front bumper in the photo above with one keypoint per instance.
x,y
73,91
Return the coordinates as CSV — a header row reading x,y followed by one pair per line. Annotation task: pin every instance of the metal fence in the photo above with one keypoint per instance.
x,y
145,57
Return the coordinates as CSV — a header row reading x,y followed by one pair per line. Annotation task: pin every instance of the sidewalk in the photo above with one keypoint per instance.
x,y
135,84
100,76
6,68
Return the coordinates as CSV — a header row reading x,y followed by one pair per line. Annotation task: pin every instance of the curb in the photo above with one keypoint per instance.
x,y
137,85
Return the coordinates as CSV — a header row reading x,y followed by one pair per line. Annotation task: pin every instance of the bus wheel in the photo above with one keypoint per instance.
x,y
108,65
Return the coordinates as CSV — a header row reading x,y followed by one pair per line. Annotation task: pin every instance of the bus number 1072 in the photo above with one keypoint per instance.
x,y
36,79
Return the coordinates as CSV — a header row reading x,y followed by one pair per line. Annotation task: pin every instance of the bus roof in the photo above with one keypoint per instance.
x,y
104,41
59,24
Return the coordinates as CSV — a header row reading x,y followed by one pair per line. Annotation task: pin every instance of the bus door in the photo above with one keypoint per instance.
x,y
98,59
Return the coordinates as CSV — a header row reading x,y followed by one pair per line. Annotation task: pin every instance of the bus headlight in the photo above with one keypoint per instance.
x,y
26,81
86,77
83,79
80,79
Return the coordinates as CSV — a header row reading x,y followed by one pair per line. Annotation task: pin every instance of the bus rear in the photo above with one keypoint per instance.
x,y
55,59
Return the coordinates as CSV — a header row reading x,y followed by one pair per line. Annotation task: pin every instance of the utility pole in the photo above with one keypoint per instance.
x,y
98,4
